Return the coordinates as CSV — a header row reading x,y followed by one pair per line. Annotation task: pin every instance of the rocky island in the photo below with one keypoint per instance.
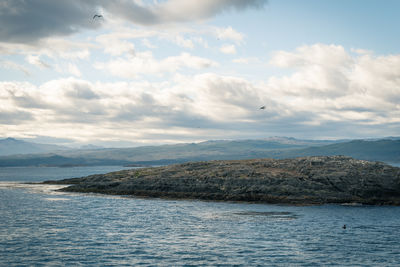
x,y
299,181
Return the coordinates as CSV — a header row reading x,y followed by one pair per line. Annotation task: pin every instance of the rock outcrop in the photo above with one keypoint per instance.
x,y
308,180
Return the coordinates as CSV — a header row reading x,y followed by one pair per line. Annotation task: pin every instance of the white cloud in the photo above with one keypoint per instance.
x,y
181,41
47,19
246,60
320,70
228,34
74,70
121,41
113,45
228,49
335,86
64,48
36,61
317,55
140,111
201,42
330,91
51,47
378,76
7,64
223,98
148,44
361,51
145,63
174,11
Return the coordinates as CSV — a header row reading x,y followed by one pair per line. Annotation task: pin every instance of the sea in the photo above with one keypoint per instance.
x,y
40,226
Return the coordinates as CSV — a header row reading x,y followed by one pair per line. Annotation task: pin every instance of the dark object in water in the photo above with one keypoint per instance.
x,y
344,226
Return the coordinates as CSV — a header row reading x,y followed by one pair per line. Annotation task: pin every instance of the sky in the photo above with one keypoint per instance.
x,y
177,71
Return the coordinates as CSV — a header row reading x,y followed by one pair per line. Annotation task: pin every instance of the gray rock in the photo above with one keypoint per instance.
x,y
307,180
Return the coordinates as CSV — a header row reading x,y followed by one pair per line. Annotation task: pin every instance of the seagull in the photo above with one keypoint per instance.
x,y
97,16
263,107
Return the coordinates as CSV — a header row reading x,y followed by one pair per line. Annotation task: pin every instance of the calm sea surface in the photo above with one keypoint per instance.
x,y
41,227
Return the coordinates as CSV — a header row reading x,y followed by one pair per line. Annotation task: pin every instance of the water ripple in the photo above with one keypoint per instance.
x,y
41,227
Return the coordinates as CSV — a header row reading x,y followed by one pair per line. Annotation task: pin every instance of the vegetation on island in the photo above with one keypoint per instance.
x,y
306,180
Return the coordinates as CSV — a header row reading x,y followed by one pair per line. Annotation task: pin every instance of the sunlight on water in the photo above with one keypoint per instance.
x,y
38,174
56,199
35,188
40,226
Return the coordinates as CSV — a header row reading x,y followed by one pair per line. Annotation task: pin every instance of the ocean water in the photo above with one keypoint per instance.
x,y
36,174
395,164
42,227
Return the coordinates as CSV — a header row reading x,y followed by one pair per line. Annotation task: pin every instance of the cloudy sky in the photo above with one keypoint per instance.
x,y
156,72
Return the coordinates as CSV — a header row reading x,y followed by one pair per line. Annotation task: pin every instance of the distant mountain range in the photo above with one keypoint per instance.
x,y
11,146
387,150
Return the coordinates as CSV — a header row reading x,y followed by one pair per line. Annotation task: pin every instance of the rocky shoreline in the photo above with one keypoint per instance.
x,y
299,181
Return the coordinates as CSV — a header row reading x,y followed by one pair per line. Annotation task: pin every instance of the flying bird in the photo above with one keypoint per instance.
x,y
263,107
97,16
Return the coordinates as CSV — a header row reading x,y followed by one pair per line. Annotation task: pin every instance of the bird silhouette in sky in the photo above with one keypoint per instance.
x,y
263,107
97,16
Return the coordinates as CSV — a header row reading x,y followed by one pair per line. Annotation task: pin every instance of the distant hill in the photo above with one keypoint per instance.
x,y
11,146
53,160
209,150
387,150
278,148
89,146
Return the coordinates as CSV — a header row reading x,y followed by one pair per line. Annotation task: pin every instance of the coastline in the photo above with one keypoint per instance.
x,y
299,181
